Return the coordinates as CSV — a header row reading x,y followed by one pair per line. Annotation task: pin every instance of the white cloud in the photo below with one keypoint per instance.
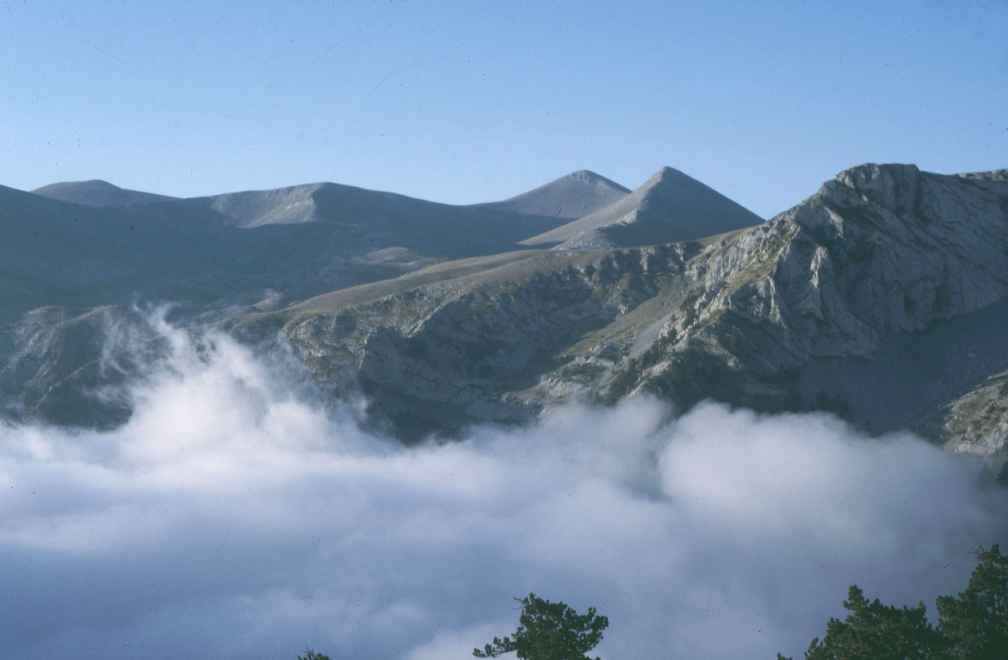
x,y
233,518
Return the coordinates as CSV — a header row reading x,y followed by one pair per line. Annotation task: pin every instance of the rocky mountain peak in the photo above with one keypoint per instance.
x,y
894,186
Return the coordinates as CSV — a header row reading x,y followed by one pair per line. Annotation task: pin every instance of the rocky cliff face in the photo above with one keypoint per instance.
x,y
880,252
877,251
477,347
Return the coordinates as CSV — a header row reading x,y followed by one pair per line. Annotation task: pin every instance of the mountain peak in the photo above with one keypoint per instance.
x,y
590,176
874,175
669,206
98,192
664,176
90,184
571,196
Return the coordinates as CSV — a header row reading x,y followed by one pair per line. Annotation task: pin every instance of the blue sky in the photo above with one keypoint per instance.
x,y
472,101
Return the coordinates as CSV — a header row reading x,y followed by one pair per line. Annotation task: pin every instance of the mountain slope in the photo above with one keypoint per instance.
x,y
56,249
882,297
299,241
571,196
71,258
833,304
370,219
96,192
55,253
670,206
255,208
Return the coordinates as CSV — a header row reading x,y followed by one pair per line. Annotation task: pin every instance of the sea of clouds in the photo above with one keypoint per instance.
x,y
234,517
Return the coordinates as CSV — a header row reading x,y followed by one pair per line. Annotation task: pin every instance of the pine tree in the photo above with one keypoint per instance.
x,y
549,631
975,622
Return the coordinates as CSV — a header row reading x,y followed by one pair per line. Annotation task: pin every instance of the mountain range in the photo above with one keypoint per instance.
x,y
880,298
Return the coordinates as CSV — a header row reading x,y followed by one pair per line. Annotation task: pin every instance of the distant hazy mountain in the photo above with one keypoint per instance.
x,y
670,206
54,252
375,219
299,241
384,216
96,192
572,196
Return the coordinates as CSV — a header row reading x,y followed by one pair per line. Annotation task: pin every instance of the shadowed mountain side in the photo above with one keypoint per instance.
x,y
60,253
54,253
96,192
370,220
946,382
670,206
571,196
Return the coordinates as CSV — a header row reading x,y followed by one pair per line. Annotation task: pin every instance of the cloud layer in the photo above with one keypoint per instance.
x,y
234,518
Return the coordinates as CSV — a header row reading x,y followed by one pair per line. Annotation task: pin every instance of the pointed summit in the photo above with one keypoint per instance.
x,y
670,206
96,192
570,196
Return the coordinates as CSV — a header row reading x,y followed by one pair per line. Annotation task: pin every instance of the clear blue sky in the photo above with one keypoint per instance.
x,y
472,101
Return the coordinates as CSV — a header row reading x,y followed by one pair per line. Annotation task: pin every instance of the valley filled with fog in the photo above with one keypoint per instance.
x,y
235,516
555,331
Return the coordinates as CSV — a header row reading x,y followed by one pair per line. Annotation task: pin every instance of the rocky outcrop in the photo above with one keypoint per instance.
x,y
977,422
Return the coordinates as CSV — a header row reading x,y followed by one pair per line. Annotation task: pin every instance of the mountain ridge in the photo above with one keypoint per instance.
x,y
566,197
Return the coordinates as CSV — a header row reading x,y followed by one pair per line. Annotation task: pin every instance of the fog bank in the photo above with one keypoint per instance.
x,y
233,518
